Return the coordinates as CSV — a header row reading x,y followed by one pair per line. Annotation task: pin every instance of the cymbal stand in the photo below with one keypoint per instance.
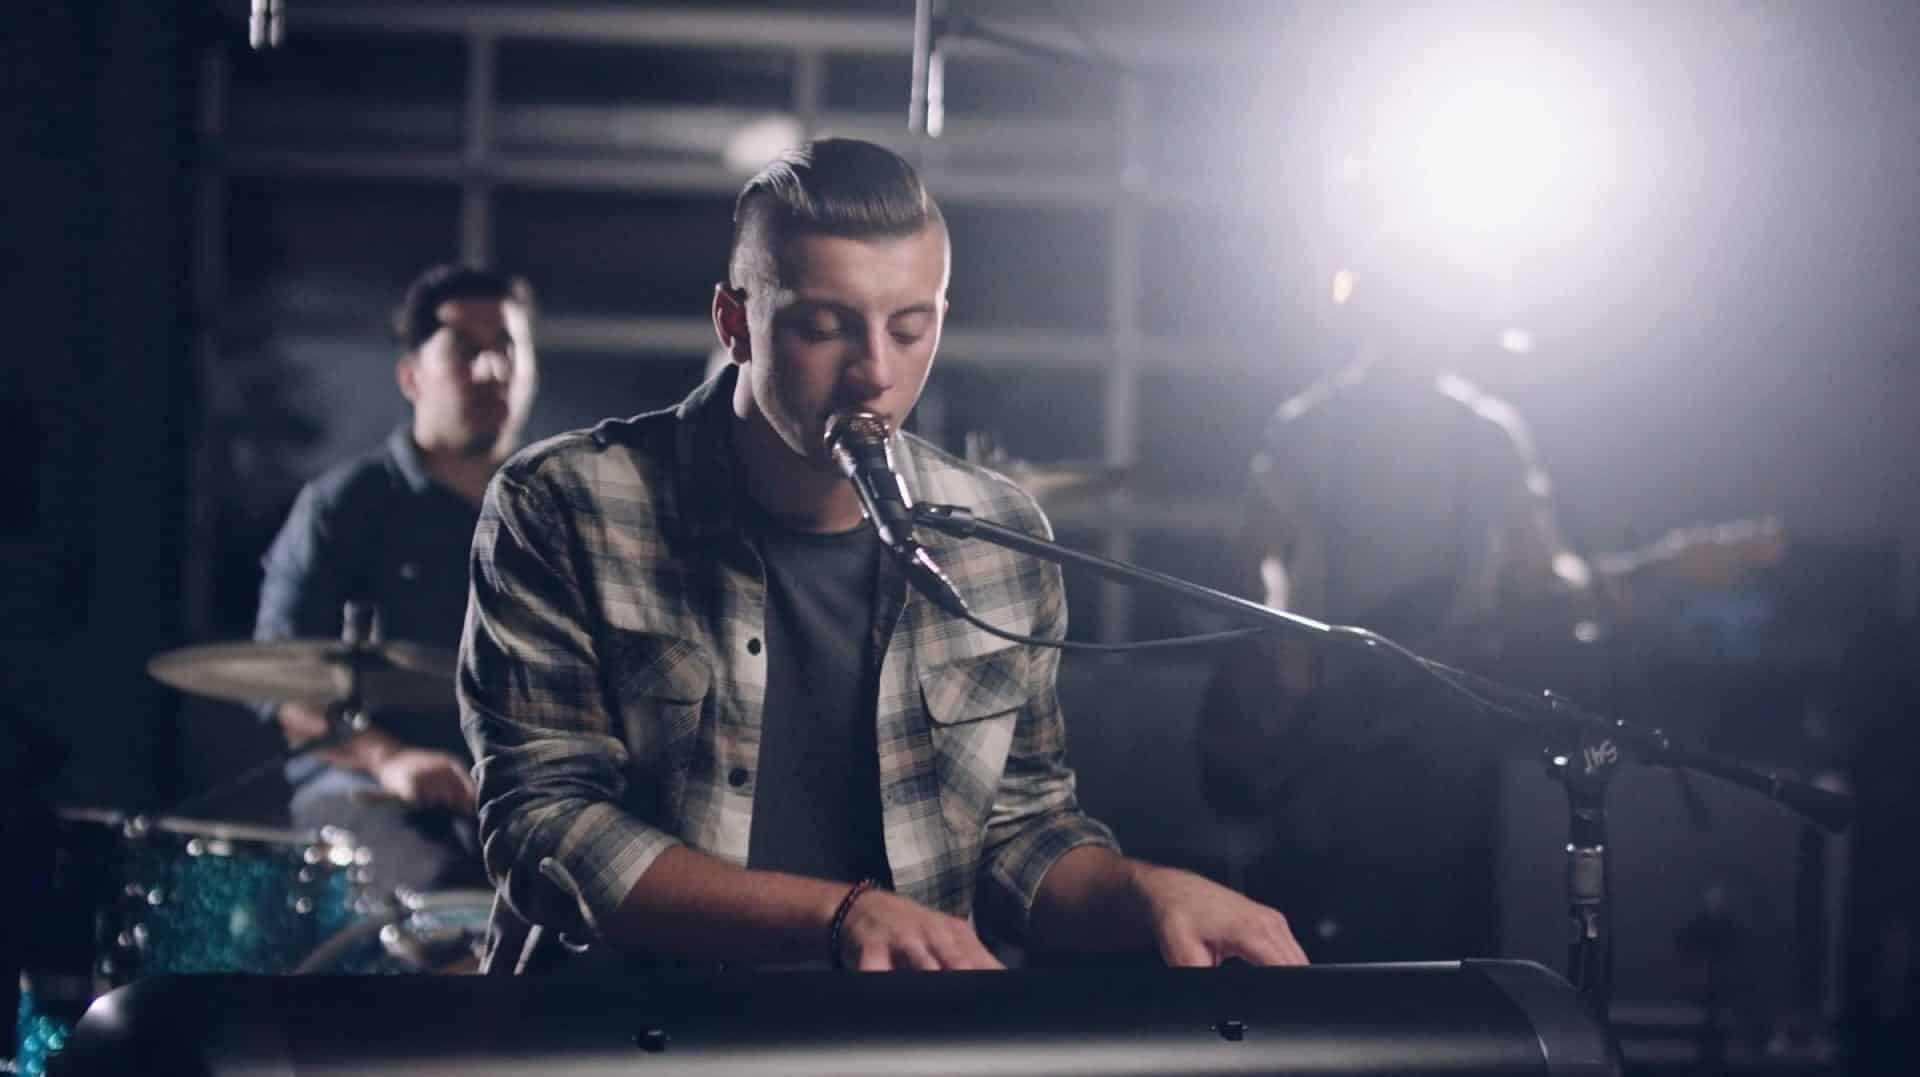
x,y
360,630
343,721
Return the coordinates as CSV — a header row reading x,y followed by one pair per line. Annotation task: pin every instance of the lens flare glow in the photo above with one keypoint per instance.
x,y
1486,158
1342,286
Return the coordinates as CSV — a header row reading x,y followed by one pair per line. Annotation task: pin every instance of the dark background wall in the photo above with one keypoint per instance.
x,y
100,391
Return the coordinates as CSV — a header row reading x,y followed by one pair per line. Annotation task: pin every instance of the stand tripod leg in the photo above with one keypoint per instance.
x,y
1588,941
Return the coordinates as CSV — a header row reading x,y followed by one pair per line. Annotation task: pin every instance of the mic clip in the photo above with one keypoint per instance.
x,y
955,520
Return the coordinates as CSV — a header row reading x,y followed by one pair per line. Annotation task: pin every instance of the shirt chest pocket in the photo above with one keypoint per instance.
x,y
658,686
973,705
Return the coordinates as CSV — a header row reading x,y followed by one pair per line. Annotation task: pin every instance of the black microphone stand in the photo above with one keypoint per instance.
x,y
935,26
1585,748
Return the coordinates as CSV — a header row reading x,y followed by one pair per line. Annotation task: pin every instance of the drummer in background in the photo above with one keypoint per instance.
x,y
394,527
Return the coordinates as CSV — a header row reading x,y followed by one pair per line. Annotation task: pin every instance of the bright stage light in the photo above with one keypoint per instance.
x,y
1486,158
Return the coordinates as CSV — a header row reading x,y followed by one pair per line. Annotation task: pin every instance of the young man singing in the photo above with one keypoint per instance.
x,y
711,719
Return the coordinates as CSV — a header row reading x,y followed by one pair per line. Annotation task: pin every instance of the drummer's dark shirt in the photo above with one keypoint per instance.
x,y
375,528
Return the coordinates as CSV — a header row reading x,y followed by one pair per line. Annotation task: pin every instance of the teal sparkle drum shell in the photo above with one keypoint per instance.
x,y
188,895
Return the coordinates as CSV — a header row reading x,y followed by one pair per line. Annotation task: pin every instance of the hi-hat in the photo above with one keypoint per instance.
x,y
388,676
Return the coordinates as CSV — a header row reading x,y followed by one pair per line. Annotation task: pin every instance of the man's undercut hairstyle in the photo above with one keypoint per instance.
x,y
836,186
417,318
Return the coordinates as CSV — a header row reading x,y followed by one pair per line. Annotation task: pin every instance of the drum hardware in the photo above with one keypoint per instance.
x,y
360,672
378,676
352,678
185,895
169,893
1049,483
165,895
437,931
1055,483
441,929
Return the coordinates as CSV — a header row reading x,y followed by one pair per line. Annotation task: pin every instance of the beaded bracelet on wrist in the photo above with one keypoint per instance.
x,y
840,921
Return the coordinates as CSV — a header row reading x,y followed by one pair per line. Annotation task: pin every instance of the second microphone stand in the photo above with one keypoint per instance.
x,y
1585,748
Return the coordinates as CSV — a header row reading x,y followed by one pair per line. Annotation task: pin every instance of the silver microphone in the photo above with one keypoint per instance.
x,y
861,443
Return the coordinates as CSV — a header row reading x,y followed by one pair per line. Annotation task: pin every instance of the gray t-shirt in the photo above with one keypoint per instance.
x,y
816,808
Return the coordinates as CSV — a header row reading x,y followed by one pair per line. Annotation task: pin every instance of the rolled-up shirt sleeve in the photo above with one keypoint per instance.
x,y
1036,817
549,761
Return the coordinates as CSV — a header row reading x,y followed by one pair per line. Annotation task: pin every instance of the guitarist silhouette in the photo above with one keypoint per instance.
x,y
1410,502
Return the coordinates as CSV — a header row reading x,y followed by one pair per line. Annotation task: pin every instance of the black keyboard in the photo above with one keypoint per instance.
x,y
1476,1017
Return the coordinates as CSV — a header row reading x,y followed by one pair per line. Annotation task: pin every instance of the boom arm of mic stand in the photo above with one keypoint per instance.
x,y
1586,747
958,522
1827,809
1544,712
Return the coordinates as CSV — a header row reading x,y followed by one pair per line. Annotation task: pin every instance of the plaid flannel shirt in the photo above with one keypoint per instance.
x,y
612,679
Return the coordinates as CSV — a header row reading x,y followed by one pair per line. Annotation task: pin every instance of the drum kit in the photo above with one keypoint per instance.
x,y
135,895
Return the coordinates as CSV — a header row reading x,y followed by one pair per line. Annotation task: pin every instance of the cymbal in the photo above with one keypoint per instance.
x,y
392,676
1059,482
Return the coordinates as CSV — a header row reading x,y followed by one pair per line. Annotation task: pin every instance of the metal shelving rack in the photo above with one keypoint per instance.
x,y
481,166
